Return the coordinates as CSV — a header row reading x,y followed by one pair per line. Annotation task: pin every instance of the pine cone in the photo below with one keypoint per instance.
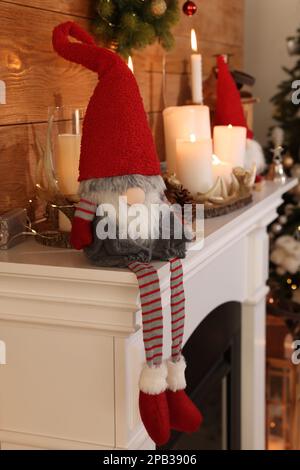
x,y
176,193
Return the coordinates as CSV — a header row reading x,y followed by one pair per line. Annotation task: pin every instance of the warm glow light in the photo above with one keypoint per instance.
x,y
14,62
271,300
230,126
130,64
294,287
194,44
193,138
289,281
215,160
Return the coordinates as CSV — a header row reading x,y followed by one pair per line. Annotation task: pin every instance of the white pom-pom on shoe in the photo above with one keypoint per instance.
x,y
176,375
153,380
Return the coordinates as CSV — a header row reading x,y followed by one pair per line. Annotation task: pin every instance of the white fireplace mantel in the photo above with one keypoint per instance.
x,y
73,338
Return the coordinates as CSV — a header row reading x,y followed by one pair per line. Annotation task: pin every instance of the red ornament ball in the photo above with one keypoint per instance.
x,y
189,8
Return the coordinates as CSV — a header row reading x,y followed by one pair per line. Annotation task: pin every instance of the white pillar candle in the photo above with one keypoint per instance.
x,y
179,123
67,164
196,69
221,169
194,164
64,222
230,144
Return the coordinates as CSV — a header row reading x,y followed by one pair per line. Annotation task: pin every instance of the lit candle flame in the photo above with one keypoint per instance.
x,y
230,126
192,138
130,64
215,160
194,44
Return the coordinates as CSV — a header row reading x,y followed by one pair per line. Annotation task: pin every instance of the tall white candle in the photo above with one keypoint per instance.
x,y
67,164
179,123
194,164
230,144
196,65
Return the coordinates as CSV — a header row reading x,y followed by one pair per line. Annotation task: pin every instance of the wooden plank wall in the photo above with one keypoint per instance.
x,y
36,78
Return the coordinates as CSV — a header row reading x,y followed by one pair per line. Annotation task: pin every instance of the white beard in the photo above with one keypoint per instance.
x,y
148,218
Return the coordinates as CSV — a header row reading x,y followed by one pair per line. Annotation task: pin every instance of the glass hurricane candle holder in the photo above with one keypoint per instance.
x,y
58,167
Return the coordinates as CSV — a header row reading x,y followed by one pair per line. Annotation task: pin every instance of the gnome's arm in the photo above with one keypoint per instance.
x,y
81,235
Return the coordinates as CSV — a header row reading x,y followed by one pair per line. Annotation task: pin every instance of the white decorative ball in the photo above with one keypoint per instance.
x,y
280,271
283,219
295,171
289,208
291,265
276,228
158,7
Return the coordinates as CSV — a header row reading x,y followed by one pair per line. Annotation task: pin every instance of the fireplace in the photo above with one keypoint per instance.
x,y
52,297
213,355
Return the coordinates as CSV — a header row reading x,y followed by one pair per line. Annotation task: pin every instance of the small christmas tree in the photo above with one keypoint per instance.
x,y
132,24
287,114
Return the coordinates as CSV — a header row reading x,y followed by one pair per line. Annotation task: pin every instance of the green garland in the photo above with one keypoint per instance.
x,y
133,24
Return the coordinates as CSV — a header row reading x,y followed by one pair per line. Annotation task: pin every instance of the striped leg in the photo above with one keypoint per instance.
x,y
151,311
184,415
177,308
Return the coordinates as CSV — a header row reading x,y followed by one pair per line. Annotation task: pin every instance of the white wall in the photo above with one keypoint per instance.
x,y
267,25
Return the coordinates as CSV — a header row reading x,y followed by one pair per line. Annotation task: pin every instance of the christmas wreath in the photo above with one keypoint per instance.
x,y
133,24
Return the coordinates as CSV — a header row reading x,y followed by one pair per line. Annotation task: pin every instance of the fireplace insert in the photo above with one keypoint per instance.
x,y
213,356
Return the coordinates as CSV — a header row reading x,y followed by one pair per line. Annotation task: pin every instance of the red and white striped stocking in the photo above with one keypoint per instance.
x,y
152,310
177,308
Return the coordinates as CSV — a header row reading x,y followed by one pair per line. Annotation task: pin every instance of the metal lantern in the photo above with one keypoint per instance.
x,y
281,403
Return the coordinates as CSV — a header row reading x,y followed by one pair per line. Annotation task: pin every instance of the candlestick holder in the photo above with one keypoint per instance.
x,y
276,171
57,172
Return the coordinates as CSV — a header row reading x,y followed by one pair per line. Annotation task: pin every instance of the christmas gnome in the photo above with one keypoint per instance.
x,y
118,159
229,110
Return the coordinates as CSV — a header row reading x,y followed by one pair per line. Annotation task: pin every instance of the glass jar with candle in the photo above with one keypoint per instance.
x,y
58,167
63,148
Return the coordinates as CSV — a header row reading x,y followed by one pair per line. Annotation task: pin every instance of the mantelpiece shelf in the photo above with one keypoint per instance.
x,y
38,257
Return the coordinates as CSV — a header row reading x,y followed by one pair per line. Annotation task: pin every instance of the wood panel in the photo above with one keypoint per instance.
x,y
82,8
18,163
218,21
37,78
178,59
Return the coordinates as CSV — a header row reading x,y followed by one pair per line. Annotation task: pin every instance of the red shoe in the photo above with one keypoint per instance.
x,y
184,415
153,403
154,412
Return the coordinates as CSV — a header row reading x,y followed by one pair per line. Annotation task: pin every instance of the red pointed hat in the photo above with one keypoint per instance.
x,y
229,105
116,138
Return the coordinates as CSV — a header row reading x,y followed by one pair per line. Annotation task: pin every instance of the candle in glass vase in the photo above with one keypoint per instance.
x,y
67,164
179,123
230,144
221,169
196,68
194,164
